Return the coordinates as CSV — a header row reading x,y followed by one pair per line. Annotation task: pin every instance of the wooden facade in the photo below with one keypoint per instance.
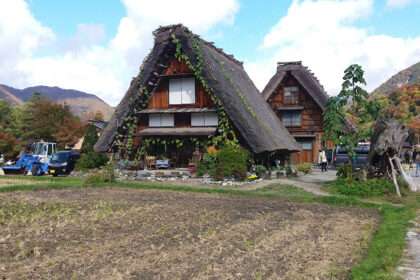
x,y
307,115
159,99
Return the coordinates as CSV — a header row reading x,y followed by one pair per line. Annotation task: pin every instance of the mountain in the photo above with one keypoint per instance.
x,y
79,102
406,77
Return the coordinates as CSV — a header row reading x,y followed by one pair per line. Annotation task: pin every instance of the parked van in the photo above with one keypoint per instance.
x,y
62,163
341,156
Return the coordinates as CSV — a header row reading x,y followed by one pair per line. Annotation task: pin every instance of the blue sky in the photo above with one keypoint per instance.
x,y
97,46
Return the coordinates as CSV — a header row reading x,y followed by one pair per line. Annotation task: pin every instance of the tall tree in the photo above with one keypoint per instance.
x,y
91,138
352,103
69,131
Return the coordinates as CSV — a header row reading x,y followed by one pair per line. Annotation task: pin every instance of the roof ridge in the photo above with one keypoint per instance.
x,y
298,63
231,57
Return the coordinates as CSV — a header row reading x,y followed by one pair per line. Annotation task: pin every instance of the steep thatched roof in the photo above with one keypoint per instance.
x,y
305,77
264,132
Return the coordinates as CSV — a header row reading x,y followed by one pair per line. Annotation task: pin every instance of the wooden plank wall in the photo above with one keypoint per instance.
x,y
160,96
312,120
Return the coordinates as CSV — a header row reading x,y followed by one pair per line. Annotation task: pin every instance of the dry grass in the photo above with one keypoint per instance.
x,y
115,233
4,182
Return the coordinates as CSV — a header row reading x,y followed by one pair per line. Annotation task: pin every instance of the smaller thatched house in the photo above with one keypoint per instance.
x,y
188,95
298,100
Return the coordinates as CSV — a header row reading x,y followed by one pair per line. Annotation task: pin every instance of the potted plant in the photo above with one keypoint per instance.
x,y
289,170
192,171
260,170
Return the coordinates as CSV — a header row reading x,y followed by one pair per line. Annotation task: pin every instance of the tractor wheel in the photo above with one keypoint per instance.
x,y
36,170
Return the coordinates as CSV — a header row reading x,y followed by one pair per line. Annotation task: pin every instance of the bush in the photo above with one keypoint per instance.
x,y
369,188
288,169
232,158
207,164
260,169
345,171
241,175
106,174
91,160
305,167
218,174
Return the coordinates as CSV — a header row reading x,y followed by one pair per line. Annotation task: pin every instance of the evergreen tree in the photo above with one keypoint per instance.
x,y
90,139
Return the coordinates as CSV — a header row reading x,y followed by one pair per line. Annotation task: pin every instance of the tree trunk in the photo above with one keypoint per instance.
x,y
387,139
394,177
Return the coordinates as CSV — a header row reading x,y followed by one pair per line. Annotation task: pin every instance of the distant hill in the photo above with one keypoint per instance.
x,y
406,77
79,102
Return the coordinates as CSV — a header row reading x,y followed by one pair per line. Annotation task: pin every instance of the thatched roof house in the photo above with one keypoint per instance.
x,y
303,75
298,99
220,74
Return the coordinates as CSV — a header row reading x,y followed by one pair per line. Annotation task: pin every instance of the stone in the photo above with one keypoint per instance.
x,y
411,234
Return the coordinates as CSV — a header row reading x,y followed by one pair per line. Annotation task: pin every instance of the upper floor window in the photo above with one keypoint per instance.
x,y
159,120
291,118
204,119
182,91
291,94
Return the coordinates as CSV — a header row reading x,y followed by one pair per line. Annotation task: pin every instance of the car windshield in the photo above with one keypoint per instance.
x,y
60,157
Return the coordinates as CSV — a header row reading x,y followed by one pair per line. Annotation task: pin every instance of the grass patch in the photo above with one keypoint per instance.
x,y
285,190
383,254
386,249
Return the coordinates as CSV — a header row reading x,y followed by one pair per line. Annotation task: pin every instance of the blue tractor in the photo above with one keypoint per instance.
x,y
37,163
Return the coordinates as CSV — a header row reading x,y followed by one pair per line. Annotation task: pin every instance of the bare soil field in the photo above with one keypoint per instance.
x,y
118,233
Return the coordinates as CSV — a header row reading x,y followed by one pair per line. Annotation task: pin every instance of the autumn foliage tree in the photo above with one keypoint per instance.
x,y
69,131
7,145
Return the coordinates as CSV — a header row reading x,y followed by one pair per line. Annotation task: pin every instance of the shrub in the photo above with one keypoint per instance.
x,y
288,169
241,175
233,157
345,171
260,169
218,174
106,174
369,188
91,160
207,164
212,150
305,167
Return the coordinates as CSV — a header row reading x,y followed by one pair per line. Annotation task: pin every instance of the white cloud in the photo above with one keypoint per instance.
x,y
322,34
398,3
20,37
83,65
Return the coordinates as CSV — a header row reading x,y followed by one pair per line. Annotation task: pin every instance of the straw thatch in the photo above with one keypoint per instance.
x,y
262,135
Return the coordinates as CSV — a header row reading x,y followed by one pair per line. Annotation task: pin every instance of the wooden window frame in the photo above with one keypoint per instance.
x,y
291,113
293,98
160,120
182,93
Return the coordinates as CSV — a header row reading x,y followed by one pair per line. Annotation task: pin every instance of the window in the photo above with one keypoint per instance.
x,y
291,118
306,146
204,119
158,120
182,91
291,94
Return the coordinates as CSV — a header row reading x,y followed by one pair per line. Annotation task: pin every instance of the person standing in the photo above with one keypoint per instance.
x,y
322,160
417,164
410,160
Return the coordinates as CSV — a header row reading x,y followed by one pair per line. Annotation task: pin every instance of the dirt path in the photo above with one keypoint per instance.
x,y
310,182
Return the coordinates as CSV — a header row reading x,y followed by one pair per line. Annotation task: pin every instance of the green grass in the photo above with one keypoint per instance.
x,y
386,249
383,254
285,190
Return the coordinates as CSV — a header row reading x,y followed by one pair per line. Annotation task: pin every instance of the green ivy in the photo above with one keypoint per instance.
x,y
223,119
